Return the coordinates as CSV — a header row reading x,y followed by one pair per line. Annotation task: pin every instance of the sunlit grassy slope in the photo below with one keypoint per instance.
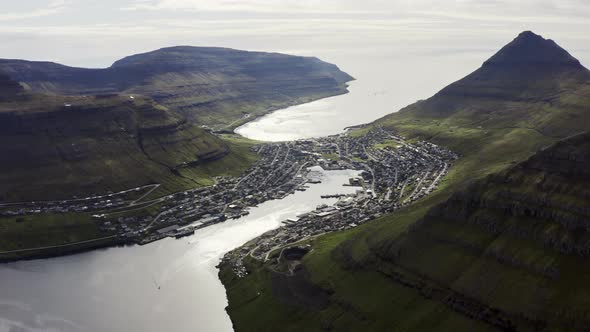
x,y
483,252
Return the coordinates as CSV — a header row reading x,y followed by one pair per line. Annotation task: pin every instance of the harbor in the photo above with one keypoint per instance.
x,y
154,287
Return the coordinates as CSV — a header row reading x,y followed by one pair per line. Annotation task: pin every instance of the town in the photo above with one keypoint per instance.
x,y
393,173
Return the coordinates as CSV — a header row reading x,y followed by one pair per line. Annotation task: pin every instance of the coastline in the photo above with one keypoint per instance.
x,y
117,241
130,276
232,129
67,250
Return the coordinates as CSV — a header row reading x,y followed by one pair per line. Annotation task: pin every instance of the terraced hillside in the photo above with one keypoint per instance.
x,y
218,87
58,147
511,249
499,252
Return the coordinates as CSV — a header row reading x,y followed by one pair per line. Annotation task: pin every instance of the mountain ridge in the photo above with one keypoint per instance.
x,y
77,131
209,85
530,48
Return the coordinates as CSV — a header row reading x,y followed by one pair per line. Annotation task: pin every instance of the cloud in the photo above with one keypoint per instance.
x,y
52,8
265,6
304,26
548,11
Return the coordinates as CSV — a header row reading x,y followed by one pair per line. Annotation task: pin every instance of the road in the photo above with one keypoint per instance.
x,y
80,200
440,175
135,202
372,171
57,246
418,188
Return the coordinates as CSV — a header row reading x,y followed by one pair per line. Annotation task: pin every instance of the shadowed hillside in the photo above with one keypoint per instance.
x,y
9,89
214,86
75,131
501,246
53,146
527,68
517,241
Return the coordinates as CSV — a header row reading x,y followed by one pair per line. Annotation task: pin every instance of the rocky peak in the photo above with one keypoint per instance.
x,y
530,67
531,49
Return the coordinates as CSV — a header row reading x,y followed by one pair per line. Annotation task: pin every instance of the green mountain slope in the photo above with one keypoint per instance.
x,y
496,255
507,109
57,147
516,241
214,86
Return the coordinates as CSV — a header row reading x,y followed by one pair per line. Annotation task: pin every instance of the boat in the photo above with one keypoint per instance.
x,y
184,233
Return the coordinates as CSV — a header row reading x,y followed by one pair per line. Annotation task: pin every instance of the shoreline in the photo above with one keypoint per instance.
x,y
116,241
254,118
66,251
185,270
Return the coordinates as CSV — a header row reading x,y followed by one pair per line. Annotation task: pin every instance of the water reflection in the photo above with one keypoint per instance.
x,y
169,285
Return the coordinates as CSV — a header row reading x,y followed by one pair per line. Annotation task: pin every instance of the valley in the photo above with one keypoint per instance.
x,y
79,143
466,211
393,176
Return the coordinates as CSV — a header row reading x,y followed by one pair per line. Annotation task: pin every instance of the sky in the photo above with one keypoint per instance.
x,y
96,33
399,51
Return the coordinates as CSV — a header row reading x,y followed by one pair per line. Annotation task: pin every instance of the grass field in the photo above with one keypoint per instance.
x,y
46,230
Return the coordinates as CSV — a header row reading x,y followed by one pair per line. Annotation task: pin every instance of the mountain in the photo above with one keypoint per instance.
x,y
68,131
513,248
211,86
9,89
55,147
515,103
528,67
500,246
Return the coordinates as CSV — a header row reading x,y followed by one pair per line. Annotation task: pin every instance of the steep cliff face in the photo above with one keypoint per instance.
x,y
213,86
517,241
54,147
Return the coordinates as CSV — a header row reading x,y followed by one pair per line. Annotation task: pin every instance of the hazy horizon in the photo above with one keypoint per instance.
x,y
77,33
400,51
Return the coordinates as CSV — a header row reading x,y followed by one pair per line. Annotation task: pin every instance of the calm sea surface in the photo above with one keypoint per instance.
x,y
116,289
